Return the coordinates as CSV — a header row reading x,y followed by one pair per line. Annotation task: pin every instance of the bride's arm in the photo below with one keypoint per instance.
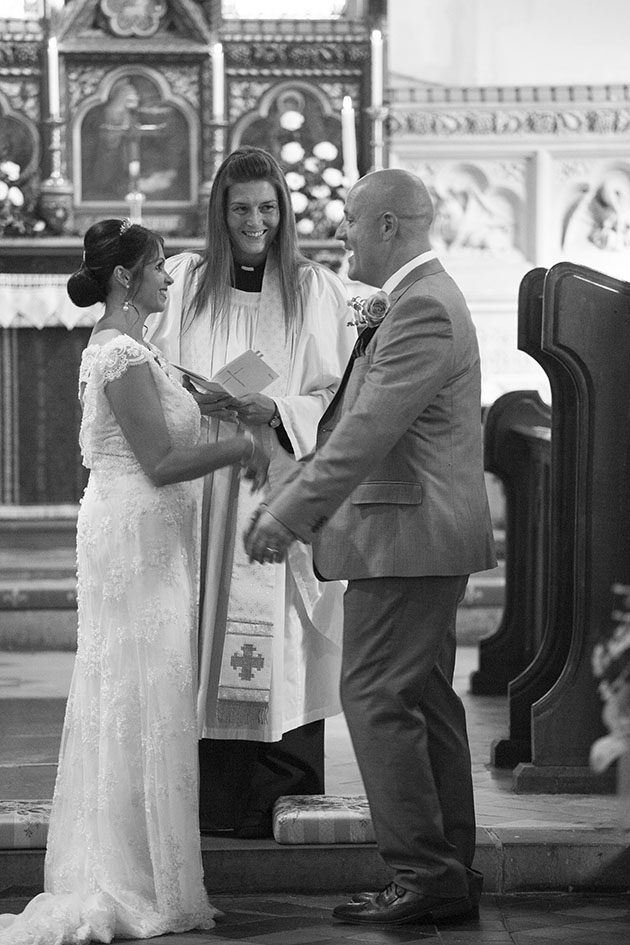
x,y
135,402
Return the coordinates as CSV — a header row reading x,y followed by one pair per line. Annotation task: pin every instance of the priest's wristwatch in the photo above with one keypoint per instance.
x,y
276,419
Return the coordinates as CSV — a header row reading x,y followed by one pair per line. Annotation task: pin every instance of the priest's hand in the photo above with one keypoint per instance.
x,y
219,406
254,409
266,539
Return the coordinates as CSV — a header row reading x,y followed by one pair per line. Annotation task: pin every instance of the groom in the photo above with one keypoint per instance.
x,y
394,501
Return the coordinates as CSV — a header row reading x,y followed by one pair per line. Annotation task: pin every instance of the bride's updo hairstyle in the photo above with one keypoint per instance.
x,y
107,244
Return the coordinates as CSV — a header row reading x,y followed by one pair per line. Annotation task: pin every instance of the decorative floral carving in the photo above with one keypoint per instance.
x,y
291,55
23,95
244,96
446,124
83,82
183,82
18,55
141,18
511,171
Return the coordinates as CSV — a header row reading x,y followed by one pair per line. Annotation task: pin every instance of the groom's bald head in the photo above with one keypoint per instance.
x,y
388,216
399,192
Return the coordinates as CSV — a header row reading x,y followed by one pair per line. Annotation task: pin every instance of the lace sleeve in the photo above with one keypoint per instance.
x,y
87,362
119,355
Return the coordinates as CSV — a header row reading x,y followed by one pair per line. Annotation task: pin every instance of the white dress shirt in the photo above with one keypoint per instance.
x,y
399,275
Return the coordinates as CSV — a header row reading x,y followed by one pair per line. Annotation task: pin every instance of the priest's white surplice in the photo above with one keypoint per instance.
x,y
305,614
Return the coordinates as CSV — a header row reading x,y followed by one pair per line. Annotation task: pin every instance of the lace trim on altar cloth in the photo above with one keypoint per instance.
x,y
40,300
30,280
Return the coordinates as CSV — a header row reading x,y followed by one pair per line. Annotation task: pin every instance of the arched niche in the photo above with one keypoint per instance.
x,y
134,117
296,122
269,126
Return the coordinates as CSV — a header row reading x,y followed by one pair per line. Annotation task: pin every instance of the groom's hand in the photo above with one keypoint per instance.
x,y
266,539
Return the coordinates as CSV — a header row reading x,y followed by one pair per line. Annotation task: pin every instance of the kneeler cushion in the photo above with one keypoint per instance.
x,y
24,824
322,818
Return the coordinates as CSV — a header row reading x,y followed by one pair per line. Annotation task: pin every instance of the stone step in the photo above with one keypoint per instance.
x,y
521,860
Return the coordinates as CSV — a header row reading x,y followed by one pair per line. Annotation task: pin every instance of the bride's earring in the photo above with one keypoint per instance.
x,y
125,306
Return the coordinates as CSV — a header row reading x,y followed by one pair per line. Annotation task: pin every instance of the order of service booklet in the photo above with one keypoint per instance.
x,y
246,374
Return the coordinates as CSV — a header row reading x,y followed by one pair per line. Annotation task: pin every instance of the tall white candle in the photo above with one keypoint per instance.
x,y
377,68
218,82
349,141
53,78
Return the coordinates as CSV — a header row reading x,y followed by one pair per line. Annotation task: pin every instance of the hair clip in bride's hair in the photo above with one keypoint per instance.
x,y
124,226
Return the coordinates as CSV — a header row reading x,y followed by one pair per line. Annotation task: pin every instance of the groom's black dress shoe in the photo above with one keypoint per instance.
x,y
397,906
475,886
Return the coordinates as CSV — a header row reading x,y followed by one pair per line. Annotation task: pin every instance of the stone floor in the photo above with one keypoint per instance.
x,y
524,919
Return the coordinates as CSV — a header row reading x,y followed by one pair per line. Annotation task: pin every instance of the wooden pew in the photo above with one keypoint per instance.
x,y
584,345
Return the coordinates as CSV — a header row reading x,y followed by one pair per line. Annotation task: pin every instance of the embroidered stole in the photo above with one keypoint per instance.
x,y
253,607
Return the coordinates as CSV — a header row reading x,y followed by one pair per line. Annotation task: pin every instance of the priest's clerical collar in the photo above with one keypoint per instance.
x,y
248,278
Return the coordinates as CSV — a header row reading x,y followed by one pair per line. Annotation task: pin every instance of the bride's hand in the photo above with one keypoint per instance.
x,y
256,465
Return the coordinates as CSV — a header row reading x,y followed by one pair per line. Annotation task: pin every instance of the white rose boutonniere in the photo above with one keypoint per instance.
x,y
371,311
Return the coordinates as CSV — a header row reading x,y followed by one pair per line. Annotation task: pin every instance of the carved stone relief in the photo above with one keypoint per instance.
x,y
596,209
479,206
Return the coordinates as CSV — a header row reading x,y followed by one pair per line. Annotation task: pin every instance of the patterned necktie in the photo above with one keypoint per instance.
x,y
362,341
359,349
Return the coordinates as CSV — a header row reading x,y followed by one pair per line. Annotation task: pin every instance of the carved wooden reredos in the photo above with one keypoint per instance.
x,y
139,89
529,175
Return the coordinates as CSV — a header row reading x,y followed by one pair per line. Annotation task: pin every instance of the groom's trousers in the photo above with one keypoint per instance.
x,y
408,727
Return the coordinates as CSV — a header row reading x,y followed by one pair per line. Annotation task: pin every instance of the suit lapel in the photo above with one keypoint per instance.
x,y
425,269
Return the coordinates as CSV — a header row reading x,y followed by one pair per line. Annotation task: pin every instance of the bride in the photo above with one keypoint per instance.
x,y
123,857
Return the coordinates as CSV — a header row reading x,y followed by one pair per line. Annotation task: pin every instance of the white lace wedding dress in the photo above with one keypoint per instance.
x,y
123,857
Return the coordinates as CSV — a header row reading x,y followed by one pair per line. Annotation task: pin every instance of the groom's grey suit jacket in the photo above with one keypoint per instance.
x,y
395,486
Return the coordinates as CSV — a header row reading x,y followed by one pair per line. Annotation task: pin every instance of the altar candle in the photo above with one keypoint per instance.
x,y
377,69
134,205
218,82
53,78
349,141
